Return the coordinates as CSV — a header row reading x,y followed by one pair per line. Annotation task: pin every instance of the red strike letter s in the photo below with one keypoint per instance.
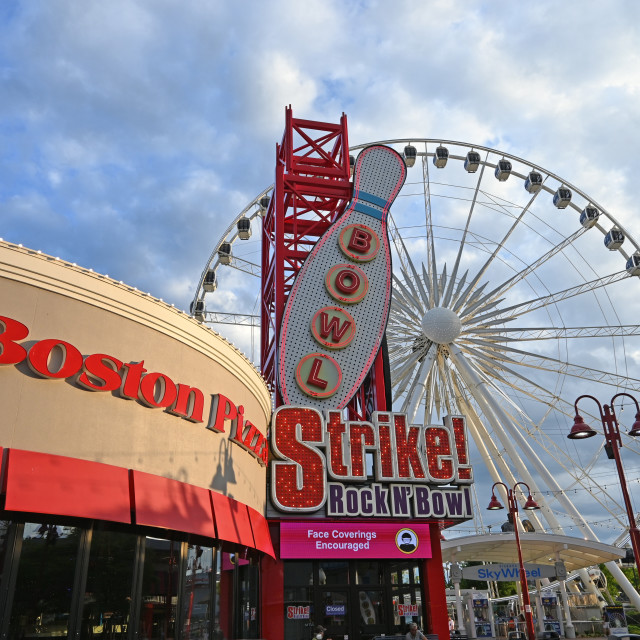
x,y
292,490
11,331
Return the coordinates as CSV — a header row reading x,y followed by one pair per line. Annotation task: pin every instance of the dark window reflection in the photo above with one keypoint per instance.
x,y
159,589
298,604
405,581
371,607
42,596
334,572
197,603
368,572
335,612
4,541
248,598
107,596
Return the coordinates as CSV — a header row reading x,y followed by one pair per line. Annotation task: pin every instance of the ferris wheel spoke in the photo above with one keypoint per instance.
x,y
398,242
409,313
402,372
499,246
484,303
502,425
426,189
474,298
522,334
521,275
449,291
412,304
524,386
426,278
492,457
546,363
418,385
435,289
517,310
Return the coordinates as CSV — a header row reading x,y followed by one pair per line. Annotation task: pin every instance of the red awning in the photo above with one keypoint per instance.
x,y
44,483
170,504
58,485
232,520
261,535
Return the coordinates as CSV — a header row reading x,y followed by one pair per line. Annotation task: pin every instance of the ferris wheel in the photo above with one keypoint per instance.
x,y
514,294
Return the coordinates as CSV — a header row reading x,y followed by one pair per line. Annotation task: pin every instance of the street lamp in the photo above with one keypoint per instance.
x,y
609,421
529,505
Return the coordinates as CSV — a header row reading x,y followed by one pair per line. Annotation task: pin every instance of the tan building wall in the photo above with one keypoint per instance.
x,y
98,315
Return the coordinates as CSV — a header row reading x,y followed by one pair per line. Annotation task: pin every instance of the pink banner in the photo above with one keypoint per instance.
x,y
366,540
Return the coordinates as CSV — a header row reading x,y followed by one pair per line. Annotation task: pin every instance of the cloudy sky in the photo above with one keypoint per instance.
x,y
133,131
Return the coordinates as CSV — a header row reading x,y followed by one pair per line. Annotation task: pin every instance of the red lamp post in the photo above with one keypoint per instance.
x,y
513,512
581,430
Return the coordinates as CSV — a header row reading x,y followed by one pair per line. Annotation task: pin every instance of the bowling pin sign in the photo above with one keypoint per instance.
x,y
338,308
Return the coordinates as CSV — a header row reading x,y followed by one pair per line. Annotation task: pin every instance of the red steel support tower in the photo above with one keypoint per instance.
x,y
312,189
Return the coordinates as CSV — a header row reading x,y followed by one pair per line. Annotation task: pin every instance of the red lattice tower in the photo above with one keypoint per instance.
x,y
311,191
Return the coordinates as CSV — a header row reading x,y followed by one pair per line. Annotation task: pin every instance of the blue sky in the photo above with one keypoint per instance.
x,y
133,131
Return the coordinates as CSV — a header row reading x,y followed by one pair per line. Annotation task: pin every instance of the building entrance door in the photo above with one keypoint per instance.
x,y
353,600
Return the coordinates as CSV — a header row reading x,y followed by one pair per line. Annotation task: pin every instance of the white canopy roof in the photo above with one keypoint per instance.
x,y
539,548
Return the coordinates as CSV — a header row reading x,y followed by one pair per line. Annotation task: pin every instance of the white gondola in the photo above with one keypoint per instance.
x,y
633,264
614,239
503,170
224,253
562,198
472,162
440,157
244,228
210,283
264,204
197,310
589,217
533,182
410,154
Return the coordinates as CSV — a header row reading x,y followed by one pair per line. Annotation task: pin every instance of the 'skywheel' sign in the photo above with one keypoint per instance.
x,y
338,308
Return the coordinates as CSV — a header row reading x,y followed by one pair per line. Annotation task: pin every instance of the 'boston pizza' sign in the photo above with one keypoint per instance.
x,y
58,359
322,464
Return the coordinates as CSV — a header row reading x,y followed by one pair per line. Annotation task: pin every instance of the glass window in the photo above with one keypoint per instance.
x,y
298,604
368,572
42,596
107,595
334,572
4,541
199,580
159,589
335,613
248,601
371,607
298,573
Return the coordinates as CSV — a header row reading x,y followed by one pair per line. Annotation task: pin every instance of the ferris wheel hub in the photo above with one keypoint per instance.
x,y
441,325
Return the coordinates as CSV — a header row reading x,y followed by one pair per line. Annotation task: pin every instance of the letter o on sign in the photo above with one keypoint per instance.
x,y
54,359
347,283
157,390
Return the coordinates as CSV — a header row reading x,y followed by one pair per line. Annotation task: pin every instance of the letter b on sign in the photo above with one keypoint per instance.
x,y
359,243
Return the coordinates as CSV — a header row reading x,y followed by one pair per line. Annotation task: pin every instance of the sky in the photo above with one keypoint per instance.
x,y
132,132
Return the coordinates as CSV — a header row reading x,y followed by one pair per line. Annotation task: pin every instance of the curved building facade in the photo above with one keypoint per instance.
x,y
134,459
